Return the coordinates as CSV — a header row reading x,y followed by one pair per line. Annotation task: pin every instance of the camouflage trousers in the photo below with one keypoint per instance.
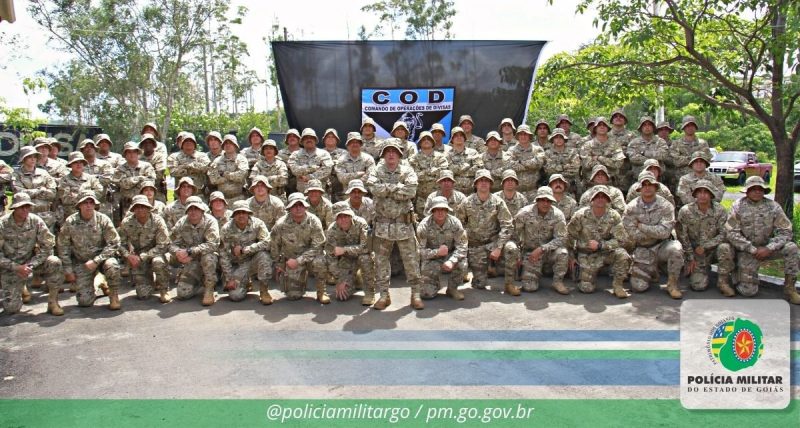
x,y
591,263
196,276
344,269
478,259
12,285
532,271
259,265
647,261
723,255
423,190
383,270
433,278
142,276
84,280
231,199
748,267
294,280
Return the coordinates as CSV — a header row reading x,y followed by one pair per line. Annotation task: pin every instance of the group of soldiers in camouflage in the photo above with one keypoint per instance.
x,y
523,203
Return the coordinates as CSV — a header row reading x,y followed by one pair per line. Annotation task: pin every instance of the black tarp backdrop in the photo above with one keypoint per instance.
x,y
69,136
321,82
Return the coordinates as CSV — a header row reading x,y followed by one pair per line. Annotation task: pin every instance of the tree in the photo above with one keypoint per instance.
x,y
740,55
423,19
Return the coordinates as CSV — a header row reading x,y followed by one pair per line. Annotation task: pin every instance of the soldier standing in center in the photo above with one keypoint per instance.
x,y
489,227
443,250
188,162
158,160
427,163
601,150
144,241
353,165
372,145
129,177
244,253
573,140
462,161
494,159
561,159
74,183
527,160
273,168
622,137
646,146
102,170
264,206
228,172
310,162
253,152
401,132
542,232
194,246
681,150
394,186
472,141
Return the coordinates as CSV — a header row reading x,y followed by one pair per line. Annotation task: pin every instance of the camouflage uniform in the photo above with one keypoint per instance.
x,y
514,204
527,162
254,155
367,208
324,208
303,242
357,254
129,179
372,146
268,211
687,182
39,185
254,259
70,186
82,240
173,212
566,162
28,243
350,168
496,164
663,191
548,232
316,165
431,236
617,199
193,166
681,152
159,162
567,206
454,200
649,227
428,169
149,241
606,229
639,150
229,176
221,217
608,154
112,158
104,172
201,241
277,172
761,224
705,229
464,164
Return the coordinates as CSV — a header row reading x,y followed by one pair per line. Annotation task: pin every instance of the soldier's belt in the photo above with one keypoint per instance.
x,y
39,208
475,244
403,219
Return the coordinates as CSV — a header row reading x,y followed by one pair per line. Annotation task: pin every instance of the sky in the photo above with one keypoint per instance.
x,y
318,20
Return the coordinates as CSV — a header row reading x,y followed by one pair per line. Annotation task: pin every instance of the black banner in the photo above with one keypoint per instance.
x,y
322,82
69,136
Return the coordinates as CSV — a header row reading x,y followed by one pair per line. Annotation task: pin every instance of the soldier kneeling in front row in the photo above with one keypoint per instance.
x,y
443,251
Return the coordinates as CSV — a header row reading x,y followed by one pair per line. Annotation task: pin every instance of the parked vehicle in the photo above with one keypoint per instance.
x,y
737,166
797,176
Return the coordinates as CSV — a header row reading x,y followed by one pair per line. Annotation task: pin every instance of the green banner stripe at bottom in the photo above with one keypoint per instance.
x,y
371,413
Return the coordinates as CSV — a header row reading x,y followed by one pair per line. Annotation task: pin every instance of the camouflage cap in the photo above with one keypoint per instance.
x,y
457,130
269,143
598,169
213,134
346,211
217,196
545,192
241,206
76,157
21,199
703,184
140,200
195,202
664,124
367,121
542,121
437,127
599,189
563,118
524,129
27,151
446,174
296,198
86,142
147,137
557,177
188,136
391,143
257,131
41,142
355,185
331,131
187,181
146,184
601,119
645,119
756,181
353,136
55,142
230,138
439,202
425,134
260,179
700,155
399,124
291,132
688,120
314,185
132,147
482,173
558,132
308,133
85,195
590,124
646,177
509,173
465,118
494,135
99,138
621,112
649,163
506,121
153,126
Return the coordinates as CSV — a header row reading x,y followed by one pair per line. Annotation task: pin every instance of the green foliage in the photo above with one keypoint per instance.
x,y
225,123
423,19
21,120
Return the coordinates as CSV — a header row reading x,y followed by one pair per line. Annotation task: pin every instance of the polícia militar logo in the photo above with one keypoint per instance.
x,y
735,343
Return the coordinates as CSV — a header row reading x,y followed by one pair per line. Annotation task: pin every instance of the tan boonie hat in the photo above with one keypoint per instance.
x,y
153,126
597,169
353,136
687,120
140,200
393,143
214,134
296,198
542,121
426,134
260,179
147,137
457,130
703,184
438,127
439,202
355,185
241,206
494,135
555,177
509,173
367,121
446,174
598,189
545,192
41,142
664,124
100,138
620,112
290,132
314,185
563,118
524,129
87,194
188,136
558,132
649,163
27,151
20,200
308,133
269,143
482,173
465,118
195,202
230,138
76,157
756,181
601,119
506,121
54,142
131,146
700,155
345,211
646,177
399,124
187,180
332,132
217,196
590,124
645,119
146,184
86,142
257,131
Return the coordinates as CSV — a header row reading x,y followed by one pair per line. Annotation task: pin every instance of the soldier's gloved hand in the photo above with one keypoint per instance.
x,y
341,291
447,266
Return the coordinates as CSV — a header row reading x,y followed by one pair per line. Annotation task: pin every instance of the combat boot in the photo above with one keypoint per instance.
x,y
113,298
163,294
103,288
558,285
52,303
672,287
208,295
511,288
369,295
454,293
322,295
26,295
416,302
619,291
724,287
263,289
383,302
790,291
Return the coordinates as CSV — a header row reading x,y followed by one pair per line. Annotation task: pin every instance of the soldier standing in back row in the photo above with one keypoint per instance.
x,y
462,161
158,160
310,162
37,183
255,141
372,145
561,159
646,146
682,150
427,163
229,171
494,159
188,162
527,160
472,141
